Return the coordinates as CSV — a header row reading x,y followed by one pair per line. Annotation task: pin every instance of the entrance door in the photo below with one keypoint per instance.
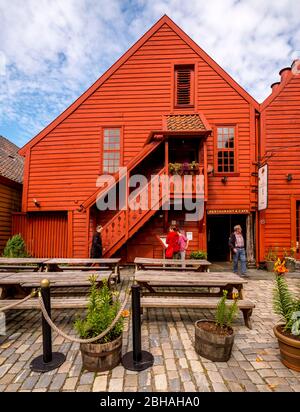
x,y
219,228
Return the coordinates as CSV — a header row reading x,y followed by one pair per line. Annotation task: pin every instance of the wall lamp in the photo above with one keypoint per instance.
x,y
224,179
289,177
36,203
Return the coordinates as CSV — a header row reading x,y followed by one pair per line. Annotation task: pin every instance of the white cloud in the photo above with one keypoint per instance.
x,y
53,50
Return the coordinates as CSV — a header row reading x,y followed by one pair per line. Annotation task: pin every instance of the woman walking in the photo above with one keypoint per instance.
x,y
172,242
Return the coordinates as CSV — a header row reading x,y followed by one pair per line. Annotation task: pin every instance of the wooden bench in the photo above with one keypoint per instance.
x,y
169,264
245,305
56,303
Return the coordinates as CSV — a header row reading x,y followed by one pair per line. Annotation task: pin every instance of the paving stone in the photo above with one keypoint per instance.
x,y
83,388
160,383
44,381
87,378
189,386
70,383
115,385
215,377
170,365
13,387
58,381
220,387
30,382
235,387
174,385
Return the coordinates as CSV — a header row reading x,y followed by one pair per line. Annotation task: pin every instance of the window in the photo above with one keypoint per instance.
x,y
111,150
225,149
184,86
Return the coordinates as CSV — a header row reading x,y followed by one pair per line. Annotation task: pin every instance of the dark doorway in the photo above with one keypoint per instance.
x,y
219,228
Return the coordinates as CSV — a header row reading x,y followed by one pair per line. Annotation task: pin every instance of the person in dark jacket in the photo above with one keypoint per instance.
x,y
237,245
96,249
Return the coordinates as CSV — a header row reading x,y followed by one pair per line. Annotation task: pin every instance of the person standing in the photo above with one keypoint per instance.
x,y
183,244
237,245
172,242
97,249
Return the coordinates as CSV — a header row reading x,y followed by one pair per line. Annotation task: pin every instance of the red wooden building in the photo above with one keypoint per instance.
x,y
279,224
164,101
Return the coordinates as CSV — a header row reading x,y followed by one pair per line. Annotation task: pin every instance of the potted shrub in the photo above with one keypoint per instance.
x,y
288,307
102,309
198,254
175,168
214,339
270,259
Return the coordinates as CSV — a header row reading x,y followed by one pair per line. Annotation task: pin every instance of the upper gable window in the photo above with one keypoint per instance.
x,y
184,85
226,146
111,150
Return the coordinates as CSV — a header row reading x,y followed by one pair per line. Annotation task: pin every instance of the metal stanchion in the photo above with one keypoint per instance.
x,y
137,360
48,361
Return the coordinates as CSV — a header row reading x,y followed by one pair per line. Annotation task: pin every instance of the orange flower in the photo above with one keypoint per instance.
x,y
279,267
125,313
235,295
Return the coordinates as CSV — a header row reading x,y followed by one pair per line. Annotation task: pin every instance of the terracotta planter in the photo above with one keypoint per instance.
x,y
289,349
212,346
99,357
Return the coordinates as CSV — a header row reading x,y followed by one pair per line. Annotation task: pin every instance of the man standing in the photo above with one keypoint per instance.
x,y
237,245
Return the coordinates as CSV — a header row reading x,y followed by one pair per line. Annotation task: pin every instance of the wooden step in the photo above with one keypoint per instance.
x,y
56,303
245,305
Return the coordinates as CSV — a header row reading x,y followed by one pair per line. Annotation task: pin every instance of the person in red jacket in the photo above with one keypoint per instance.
x,y
172,241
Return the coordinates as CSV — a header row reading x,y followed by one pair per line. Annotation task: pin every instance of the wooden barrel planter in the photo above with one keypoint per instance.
x,y
289,349
99,357
211,345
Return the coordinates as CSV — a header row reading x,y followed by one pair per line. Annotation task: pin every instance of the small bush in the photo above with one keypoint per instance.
x,y
15,248
198,254
225,314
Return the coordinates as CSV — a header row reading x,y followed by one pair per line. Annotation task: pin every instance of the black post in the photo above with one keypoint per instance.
x,y
48,361
47,336
136,323
137,360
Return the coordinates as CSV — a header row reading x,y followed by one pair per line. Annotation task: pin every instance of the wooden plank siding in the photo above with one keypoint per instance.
x,y
45,234
10,201
65,163
281,140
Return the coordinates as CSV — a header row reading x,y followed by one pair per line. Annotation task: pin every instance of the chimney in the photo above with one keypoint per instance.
x,y
274,86
284,73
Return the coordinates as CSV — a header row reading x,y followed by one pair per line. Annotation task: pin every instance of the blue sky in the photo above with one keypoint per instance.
x,y
51,51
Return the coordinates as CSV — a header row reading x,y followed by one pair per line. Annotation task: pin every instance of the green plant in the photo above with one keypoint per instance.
x,y
102,309
198,254
15,248
175,168
225,314
271,255
284,303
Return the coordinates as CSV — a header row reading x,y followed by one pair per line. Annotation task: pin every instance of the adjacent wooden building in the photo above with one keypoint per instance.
x,y
164,102
11,179
279,224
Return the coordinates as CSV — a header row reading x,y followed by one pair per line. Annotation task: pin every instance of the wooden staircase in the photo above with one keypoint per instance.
x,y
127,222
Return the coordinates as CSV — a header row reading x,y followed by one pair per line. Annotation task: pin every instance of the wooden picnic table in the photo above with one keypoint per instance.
x,y
21,282
154,280
65,264
33,264
172,264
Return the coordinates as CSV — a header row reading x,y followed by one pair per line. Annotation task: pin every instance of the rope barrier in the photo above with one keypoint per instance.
x,y
78,340
15,304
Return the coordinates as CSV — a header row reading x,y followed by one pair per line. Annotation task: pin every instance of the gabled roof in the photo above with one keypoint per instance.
x,y
279,86
11,163
164,20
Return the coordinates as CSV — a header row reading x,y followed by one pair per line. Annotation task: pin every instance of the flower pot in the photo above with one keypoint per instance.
x,y
211,345
289,349
270,265
290,265
99,357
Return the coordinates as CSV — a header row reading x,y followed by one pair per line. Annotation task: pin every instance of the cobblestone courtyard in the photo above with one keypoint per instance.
x,y
169,336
